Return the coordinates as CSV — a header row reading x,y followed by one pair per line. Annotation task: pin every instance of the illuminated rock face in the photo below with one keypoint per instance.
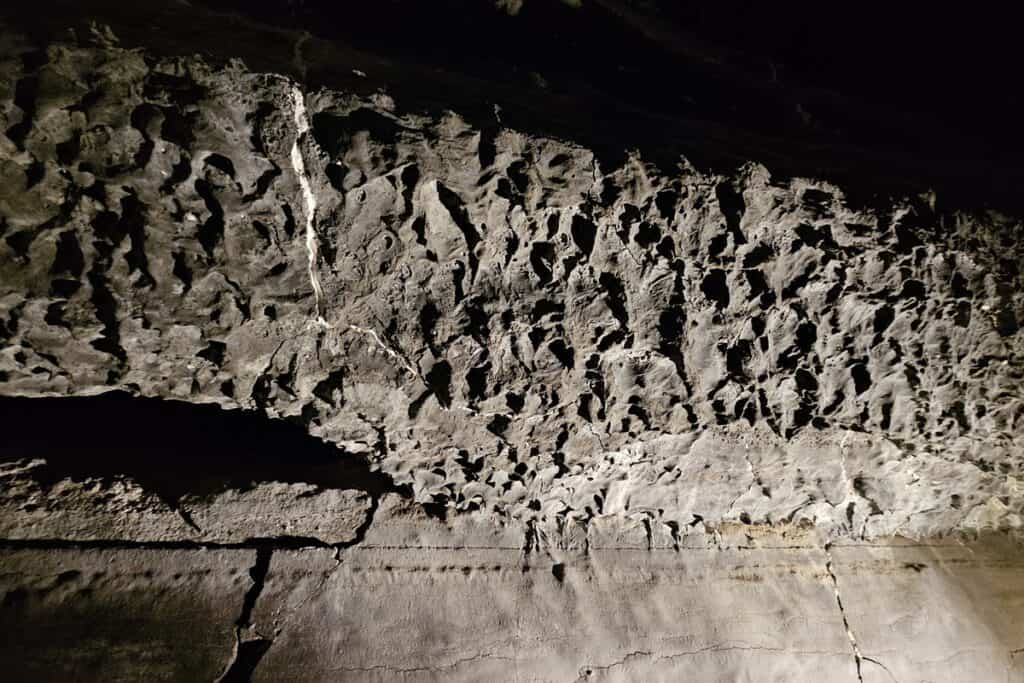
x,y
503,322
611,420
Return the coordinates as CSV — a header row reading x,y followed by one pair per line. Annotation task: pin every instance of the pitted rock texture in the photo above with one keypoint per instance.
x,y
506,323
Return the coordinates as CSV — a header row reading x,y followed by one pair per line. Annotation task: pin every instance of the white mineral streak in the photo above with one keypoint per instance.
x,y
299,166
312,249
387,349
312,245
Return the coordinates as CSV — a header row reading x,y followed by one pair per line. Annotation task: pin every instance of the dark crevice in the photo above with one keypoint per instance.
x,y
715,287
133,218
439,381
457,210
249,651
733,207
584,233
542,256
26,91
616,298
106,312
258,573
69,257
248,654
173,448
334,133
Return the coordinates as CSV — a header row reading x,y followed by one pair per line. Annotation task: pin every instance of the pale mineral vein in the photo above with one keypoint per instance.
x,y
299,165
312,245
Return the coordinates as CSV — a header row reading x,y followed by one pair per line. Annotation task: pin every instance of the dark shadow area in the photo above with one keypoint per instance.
x,y
173,448
873,78
879,98
246,660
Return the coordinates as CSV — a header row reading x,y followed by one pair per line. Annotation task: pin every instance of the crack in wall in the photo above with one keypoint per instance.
x,y
447,667
259,574
587,671
302,129
857,656
247,661
883,667
250,644
754,480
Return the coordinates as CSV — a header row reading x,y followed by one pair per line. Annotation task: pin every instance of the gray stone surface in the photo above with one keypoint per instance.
x,y
82,510
120,614
951,612
100,509
274,511
479,614
773,608
502,321
638,423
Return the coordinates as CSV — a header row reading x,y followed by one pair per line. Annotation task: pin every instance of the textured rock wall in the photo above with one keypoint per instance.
x,y
500,321
637,422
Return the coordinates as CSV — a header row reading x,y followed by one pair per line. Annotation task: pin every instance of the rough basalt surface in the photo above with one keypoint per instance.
x,y
502,322
582,416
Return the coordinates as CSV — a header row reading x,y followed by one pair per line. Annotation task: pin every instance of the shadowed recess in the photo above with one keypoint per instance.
x,y
172,448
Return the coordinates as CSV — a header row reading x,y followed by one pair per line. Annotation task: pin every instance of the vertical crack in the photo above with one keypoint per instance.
x,y
857,657
249,651
301,118
258,573
250,644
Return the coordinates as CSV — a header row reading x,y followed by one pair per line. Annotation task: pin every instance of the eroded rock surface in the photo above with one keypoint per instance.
x,y
589,417
501,321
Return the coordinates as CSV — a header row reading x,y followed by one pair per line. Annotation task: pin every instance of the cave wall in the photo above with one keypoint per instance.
x,y
636,421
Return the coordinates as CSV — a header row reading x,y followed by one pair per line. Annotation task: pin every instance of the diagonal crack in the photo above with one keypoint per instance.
x,y
247,656
406,365
883,667
857,656
250,645
258,573
248,653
